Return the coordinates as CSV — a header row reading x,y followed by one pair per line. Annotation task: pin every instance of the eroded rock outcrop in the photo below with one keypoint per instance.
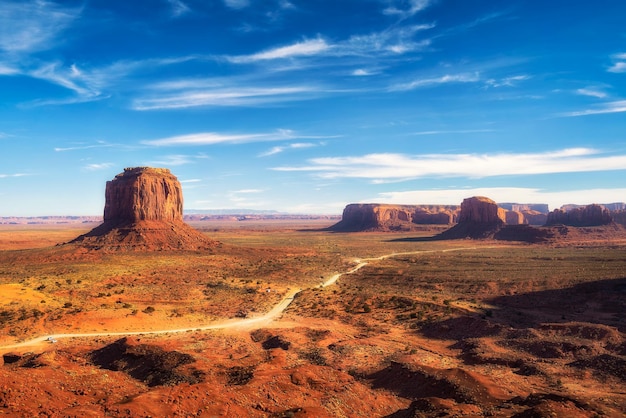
x,y
144,211
374,216
481,210
590,215
144,194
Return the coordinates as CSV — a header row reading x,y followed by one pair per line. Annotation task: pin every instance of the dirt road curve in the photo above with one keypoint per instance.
x,y
256,321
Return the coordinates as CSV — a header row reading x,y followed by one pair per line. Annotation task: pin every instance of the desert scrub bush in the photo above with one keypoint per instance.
x,y
149,310
314,356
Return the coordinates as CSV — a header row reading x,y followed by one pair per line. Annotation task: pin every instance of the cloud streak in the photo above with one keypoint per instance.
x,y
225,97
435,81
283,148
618,106
212,138
32,26
381,168
619,63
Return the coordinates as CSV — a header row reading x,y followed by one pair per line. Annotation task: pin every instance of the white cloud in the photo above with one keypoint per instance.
x,y
393,41
399,167
211,138
555,199
100,144
173,160
28,26
592,92
178,8
406,9
507,81
618,67
458,131
282,148
445,79
229,96
96,167
619,63
299,49
4,176
237,4
618,106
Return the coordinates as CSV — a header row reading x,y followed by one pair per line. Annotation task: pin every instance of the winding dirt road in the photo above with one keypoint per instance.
x,y
256,321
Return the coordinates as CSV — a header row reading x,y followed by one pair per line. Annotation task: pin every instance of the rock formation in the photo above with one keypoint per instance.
x,y
481,217
533,217
373,216
590,215
144,211
481,210
514,218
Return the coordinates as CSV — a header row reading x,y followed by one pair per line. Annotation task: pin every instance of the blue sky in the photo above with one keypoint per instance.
x,y
305,106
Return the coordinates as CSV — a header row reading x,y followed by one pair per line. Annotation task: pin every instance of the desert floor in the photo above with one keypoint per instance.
x,y
285,319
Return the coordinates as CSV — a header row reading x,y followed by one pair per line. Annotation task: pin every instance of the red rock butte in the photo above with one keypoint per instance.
x,y
144,211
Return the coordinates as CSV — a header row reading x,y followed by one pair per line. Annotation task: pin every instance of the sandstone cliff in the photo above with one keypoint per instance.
x,y
590,215
481,210
373,216
144,194
144,211
481,218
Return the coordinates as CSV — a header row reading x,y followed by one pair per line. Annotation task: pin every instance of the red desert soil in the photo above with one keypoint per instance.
x,y
417,330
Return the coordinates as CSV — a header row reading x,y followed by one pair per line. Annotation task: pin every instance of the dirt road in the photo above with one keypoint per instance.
x,y
256,321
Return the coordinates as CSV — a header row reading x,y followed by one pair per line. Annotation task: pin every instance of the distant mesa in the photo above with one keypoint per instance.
x,y
382,217
479,217
591,215
144,211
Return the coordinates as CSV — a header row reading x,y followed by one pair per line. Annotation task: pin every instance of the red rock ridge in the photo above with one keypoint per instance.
x,y
375,216
590,215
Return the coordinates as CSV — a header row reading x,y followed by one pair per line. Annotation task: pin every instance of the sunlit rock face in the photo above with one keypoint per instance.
x,y
590,215
481,210
143,211
376,216
144,194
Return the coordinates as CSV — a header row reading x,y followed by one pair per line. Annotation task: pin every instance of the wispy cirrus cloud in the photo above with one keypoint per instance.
x,y
224,97
507,81
82,146
618,106
298,49
212,138
434,81
406,9
32,26
179,8
237,4
98,166
395,40
457,131
386,167
177,160
282,148
5,176
591,92
619,63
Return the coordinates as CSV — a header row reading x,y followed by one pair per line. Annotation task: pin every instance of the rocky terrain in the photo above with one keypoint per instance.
x,y
144,212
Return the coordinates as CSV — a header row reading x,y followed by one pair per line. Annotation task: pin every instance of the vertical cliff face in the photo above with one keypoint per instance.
x,y
481,210
375,216
590,215
144,211
144,194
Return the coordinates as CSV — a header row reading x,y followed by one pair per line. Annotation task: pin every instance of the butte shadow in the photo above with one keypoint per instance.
x,y
144,212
